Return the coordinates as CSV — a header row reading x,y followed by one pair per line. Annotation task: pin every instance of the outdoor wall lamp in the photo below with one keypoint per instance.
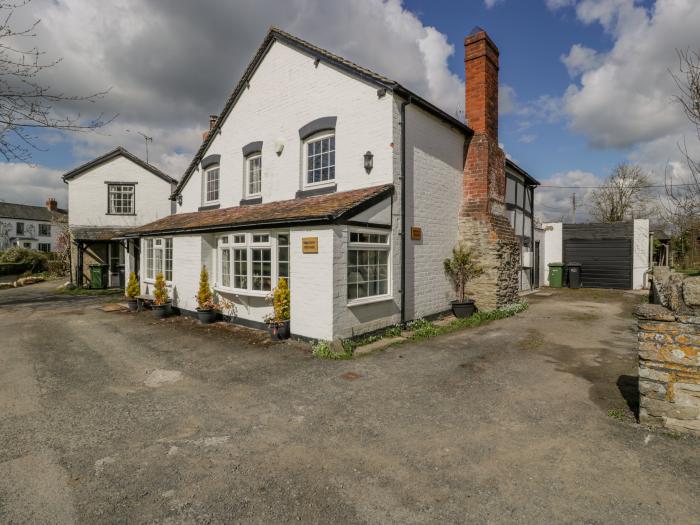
x,y
369,161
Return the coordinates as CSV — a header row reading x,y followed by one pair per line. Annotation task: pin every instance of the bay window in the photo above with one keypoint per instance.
x,y
158,255
368,265
251,261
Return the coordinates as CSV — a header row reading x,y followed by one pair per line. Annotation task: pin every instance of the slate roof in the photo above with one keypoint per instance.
x,y
119,151
94,233
9,210
276,34
320,209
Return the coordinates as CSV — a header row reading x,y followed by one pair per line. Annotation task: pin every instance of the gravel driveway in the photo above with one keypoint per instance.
x,y
116,418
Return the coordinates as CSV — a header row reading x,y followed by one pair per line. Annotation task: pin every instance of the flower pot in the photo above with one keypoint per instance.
x,y
278,330
464,309
206,315
160,311
132,304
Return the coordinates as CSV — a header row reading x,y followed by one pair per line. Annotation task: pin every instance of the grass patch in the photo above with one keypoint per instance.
x,y
323,350
616,413
88,291
423,329
690,272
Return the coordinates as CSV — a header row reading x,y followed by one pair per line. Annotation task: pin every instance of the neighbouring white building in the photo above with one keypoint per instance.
x,y
346,183
109,196
35,227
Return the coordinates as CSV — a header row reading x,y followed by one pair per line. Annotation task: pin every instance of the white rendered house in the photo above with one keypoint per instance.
x,y
33,227
109,196
341,181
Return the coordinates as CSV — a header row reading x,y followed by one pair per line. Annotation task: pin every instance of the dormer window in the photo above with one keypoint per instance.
x,y
254,175
320,159
211,185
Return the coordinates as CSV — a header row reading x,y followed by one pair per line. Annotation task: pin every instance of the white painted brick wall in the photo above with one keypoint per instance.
x,y
312,286
641,252
434,171
287,92
553,247
31,229
87,195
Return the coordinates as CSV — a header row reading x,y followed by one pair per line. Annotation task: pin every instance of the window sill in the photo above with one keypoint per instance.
x,y
369,300
121,214
251,199
237,291
209,206
311,190
153,281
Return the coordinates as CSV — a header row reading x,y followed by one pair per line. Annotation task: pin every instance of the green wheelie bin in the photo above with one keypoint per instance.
x,y
556,274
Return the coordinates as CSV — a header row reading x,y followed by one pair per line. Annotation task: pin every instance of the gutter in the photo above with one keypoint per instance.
x,y
402,177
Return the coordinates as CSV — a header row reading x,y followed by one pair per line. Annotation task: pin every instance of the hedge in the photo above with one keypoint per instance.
x,y
14,268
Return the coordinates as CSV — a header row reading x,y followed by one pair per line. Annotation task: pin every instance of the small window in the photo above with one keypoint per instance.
x,y
254,175
239,238
44,247
320,159
261,239
368,238
240,268
44,230
211,185
20,228
120,199
223,240
283,256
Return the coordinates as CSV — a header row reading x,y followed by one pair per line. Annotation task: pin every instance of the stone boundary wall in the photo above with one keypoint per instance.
x,y
669,368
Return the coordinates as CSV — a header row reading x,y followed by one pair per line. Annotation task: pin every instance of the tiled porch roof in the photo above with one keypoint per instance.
x,y
92,233
321,209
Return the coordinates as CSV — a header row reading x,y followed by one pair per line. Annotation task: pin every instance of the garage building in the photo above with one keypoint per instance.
x,y
614,255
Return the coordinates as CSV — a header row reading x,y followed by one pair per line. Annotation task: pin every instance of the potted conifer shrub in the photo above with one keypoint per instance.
x,y
161,301
206,307
278,323
462,268
132,292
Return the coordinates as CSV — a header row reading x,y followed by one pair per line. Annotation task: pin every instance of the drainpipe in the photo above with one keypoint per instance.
x,y
402,177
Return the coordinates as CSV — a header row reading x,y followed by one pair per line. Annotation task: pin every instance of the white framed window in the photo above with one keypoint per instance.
x,y
120,199
250,262
368,265
254,175
44,229
19,228
158,257
211,186
44,247
320,159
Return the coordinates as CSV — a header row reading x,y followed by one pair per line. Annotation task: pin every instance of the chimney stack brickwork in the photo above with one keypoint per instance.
x,y
483,224
51,204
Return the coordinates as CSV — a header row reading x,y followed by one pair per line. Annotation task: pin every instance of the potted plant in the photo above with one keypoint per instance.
x,y
206,307
161,301
133,290
462,268
278,323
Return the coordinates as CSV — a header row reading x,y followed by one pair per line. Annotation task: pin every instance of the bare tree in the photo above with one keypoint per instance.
x,y
681,208
27,105
624,195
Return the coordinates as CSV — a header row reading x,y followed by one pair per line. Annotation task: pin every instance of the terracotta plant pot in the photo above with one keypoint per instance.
x,y
160,311
206,316
462,310
132,304
279,330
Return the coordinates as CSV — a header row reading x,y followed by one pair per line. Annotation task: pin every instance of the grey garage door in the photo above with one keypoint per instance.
x,y
605,263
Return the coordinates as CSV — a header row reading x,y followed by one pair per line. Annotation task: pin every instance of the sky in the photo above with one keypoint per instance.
x,y
584,84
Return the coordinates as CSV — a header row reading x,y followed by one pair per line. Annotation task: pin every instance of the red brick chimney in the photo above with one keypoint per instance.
x,y
484,189
51,204
484,225
212,122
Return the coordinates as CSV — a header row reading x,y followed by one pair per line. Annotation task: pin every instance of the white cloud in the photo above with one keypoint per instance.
x,y
580,59
558,4
171,64
553,204
507,99
528,138
490,3
26,184
625,96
